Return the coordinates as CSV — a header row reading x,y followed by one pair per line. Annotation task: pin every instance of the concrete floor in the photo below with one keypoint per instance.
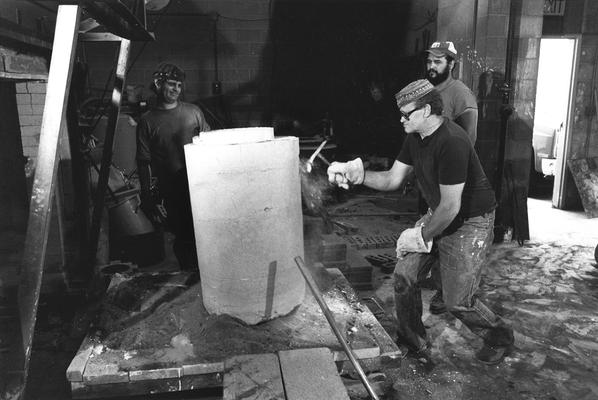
x,y
548,290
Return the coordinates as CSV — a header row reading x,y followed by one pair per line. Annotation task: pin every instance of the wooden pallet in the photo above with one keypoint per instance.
x,y
98,371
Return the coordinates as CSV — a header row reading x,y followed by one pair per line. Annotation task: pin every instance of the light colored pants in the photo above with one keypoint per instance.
x,y
460,257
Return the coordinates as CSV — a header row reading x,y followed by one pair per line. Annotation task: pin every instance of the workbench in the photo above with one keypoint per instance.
x,y
114,359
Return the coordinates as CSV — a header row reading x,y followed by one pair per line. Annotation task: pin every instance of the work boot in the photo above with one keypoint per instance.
x,y
437,305
493,355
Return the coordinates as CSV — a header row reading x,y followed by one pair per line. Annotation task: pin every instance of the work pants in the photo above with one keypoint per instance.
x,y
180,220
460,257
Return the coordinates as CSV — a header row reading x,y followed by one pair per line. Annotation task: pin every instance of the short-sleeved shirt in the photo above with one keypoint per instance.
x,y
161,135
447,157
456,98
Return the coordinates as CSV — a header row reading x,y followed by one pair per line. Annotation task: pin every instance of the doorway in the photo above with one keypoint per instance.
x,y
552,120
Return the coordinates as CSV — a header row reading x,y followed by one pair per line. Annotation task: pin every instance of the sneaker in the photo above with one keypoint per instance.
x,y
437,305
493,355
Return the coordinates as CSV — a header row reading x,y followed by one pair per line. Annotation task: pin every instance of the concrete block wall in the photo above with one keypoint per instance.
x,y
30,104
189,41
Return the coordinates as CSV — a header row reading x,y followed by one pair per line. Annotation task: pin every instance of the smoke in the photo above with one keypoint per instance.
x,y
316,191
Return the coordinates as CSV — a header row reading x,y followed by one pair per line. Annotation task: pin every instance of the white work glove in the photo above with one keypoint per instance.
x,y
343,174
412,241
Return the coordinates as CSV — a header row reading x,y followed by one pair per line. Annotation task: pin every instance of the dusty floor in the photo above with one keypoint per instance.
x,y
548,290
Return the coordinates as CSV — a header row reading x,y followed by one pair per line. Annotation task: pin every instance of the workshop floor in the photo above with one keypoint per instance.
x,y
547,289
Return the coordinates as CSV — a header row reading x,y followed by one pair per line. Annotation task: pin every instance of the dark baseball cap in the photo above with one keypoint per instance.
x,y
439,49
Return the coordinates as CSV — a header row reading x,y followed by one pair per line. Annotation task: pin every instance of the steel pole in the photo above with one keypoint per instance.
x,y
328,314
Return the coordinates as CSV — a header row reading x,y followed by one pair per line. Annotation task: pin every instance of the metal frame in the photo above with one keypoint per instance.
x,y
120,20
36,239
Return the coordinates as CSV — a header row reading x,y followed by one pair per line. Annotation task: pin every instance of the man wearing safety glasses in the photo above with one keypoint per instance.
x,y
455,233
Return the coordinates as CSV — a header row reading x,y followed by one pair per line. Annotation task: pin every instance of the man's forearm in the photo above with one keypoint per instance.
x,y
441,218
380,180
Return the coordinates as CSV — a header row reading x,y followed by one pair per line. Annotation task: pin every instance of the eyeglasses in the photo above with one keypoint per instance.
x,y
406,115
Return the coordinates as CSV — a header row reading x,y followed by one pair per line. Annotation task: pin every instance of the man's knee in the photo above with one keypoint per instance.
x,y
401,284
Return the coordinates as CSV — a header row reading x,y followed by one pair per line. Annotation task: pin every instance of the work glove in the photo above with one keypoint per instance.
x,y
412,241
343,174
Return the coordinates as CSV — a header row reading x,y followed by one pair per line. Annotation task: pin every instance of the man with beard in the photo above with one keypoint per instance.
x,y
459,102
459,105
161,134
457,233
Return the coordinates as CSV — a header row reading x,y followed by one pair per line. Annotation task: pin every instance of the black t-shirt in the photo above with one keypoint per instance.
x,y
161,135
446,157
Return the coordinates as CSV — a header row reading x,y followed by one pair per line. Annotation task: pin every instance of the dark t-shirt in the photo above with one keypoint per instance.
x,y
447,157
161,135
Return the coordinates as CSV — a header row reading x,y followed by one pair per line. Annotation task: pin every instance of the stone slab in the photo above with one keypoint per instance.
x,y
253,377
311,374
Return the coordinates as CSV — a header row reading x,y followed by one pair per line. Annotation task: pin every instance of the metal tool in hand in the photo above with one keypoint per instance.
x,y
310,162
330,318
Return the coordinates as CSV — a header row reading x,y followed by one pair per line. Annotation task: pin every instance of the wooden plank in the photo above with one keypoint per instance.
x,y
585,175
153,374
67,22
100,374
80,390
203,368
253,377
311,374
75,370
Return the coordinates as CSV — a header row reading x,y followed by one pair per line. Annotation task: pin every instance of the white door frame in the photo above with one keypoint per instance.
x,y
559,189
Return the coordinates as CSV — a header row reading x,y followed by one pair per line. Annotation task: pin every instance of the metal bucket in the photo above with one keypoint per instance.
x,y
126,217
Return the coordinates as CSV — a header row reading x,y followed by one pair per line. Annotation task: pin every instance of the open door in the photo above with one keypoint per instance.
x,y
552,120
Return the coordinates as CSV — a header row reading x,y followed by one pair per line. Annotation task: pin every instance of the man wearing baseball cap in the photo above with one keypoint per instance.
x,y
457,231
459,102
161,134
460,106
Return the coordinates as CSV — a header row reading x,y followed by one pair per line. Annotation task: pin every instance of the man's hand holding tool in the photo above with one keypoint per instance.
x,y
344,174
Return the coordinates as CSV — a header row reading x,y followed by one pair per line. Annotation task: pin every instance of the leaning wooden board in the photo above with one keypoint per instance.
x,y
585,175
98,371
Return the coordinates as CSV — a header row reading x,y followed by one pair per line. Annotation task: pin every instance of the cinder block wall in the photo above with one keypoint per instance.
x,y
30,103
235,30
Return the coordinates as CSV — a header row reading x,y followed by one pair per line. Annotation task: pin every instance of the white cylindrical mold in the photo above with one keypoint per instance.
x,y
246,203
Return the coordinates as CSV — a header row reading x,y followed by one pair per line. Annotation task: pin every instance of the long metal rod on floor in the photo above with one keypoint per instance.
x,y
318,295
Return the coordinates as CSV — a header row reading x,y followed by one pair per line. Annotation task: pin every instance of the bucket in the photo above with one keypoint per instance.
x,y
126,217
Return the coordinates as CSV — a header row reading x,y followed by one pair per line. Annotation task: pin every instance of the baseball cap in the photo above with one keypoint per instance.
x,y
440,49
415,90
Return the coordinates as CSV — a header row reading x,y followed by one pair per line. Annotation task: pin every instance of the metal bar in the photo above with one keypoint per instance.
x,y
330,318
119,83
36,239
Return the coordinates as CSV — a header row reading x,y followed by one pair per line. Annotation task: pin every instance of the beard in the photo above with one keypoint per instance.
x,y
437,78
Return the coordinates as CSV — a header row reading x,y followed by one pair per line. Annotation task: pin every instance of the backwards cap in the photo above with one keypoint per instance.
x,y
439,49
414,91
168,71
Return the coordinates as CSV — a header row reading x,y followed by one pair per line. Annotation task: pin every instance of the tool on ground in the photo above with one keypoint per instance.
x,y
310,162
345,226
330,318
